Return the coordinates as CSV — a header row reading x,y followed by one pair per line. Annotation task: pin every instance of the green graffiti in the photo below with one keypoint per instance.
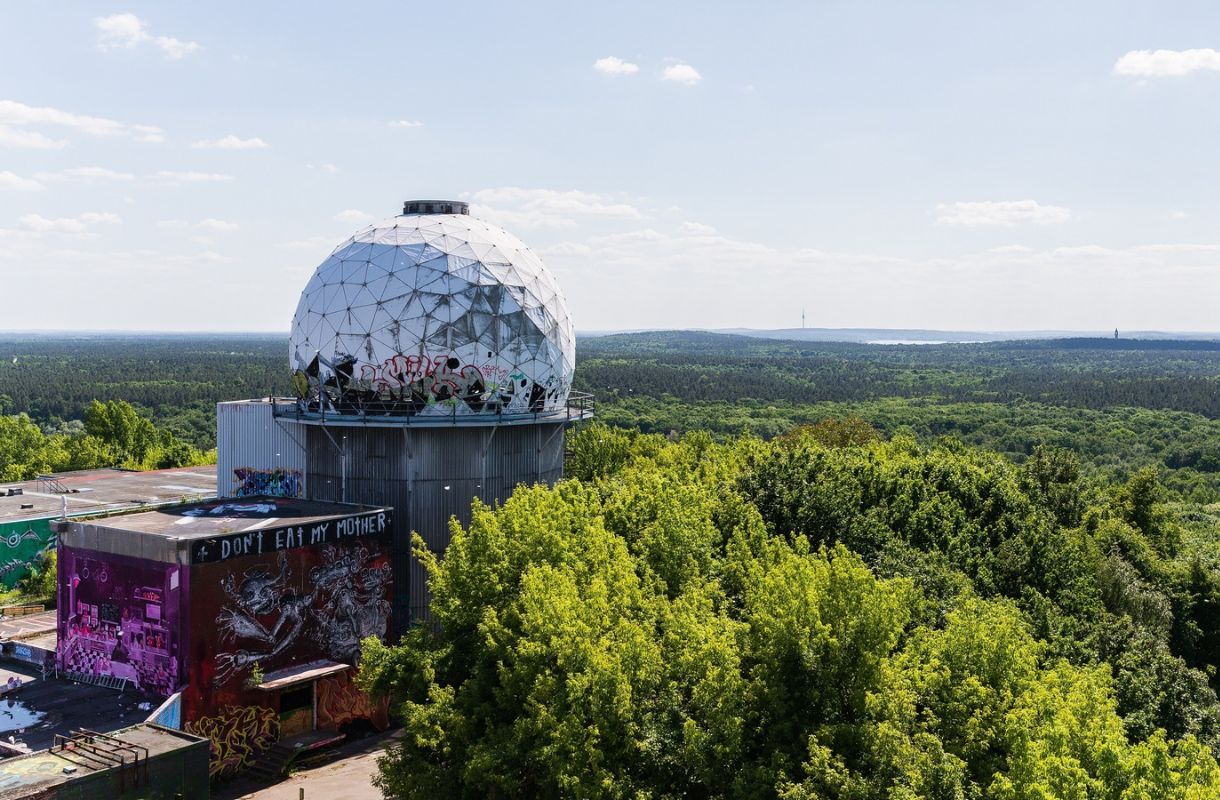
x,y
20,544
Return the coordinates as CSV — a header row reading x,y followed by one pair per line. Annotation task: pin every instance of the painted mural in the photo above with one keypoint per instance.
x,y
20,545
281,608
252,482
267,613
341,702
238,734
120,617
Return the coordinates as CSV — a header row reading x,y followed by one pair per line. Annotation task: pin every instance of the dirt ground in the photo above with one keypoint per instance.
x,y
348,777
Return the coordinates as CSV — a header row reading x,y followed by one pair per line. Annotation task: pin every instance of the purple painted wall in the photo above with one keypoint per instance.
x,y
122,617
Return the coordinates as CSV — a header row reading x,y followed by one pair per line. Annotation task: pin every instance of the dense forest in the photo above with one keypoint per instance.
x,y
1120,405
830,614
777,569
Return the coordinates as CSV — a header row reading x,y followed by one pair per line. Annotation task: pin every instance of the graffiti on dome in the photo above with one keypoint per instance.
x,y
425,384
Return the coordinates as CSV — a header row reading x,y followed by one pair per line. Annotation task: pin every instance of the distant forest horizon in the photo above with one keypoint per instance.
x,y
810,334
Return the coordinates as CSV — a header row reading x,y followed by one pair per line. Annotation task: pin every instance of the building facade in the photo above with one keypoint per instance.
x,y
252,609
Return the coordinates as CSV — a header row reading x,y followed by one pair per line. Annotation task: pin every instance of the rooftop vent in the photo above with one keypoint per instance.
x,y
435,207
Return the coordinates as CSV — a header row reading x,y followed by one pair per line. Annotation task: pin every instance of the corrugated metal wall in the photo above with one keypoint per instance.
x,y
428,475
256,453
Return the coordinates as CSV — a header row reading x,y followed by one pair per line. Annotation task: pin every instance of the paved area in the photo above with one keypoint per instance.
x,y
348,777
27,626
42,708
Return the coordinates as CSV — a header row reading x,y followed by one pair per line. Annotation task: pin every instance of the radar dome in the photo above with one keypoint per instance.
x,y
432,312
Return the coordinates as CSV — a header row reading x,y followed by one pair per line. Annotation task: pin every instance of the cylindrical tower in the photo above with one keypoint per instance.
x,y
432,357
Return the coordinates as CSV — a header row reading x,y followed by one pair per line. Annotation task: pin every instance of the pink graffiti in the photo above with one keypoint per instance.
x,y
443,376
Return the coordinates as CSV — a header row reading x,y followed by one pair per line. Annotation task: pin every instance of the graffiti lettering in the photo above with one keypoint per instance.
x,y
250,482
221,548
238,734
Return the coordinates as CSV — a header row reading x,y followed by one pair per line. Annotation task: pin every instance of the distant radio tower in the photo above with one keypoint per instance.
x,y
802,319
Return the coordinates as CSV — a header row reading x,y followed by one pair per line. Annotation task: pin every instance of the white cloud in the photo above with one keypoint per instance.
x,y
175,176
406,123
1003,213
14,115
38,224
1178,214
230,142
613,65
10,181
681,73
322,244
355,216
513,206
1167,63
329,169
31,140
85,175
126,31
219,225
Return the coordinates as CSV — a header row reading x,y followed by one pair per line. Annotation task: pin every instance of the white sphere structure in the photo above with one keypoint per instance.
x,y
433,312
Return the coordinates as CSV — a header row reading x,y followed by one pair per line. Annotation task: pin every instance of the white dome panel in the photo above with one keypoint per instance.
x,y
434,314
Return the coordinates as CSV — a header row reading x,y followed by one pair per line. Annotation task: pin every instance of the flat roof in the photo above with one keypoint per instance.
x,y
44,770
215,530
101,491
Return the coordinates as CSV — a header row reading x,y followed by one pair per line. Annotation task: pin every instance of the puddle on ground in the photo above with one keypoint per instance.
x,y
15,716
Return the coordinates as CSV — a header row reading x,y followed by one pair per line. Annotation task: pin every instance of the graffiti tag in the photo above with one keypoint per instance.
x,y
252,543
249,482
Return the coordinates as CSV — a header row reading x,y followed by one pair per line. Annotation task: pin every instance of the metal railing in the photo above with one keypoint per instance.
x,y
578,406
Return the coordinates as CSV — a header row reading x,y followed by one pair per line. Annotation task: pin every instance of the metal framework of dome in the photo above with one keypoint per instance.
x,y
432,313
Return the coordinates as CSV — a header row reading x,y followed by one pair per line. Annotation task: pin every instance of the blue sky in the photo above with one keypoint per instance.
x,y
879,164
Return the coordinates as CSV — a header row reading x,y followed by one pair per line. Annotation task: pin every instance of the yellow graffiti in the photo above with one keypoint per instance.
x,y
238,734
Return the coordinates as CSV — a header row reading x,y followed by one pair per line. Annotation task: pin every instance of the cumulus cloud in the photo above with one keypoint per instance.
x,y
8,180
16,117
177,176
230,142
681,73
406,123
126,31
1167,63
321,244
613,65
217,225
329,169
30,140
513,206
38,224
355,216
1002,213
85,175
1003,288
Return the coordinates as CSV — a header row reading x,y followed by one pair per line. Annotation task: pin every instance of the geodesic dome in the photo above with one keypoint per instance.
x,y
432,313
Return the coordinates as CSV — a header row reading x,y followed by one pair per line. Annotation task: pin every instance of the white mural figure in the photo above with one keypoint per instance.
x,y
345,602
